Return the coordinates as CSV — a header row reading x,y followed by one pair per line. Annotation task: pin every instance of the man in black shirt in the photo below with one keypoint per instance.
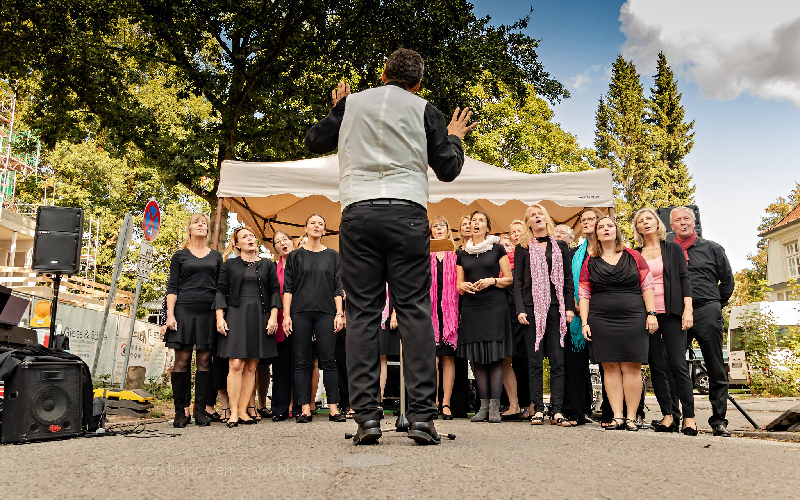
x,y
386,139
712,285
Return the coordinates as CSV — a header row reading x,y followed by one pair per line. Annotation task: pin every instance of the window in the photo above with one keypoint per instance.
x,y
793,256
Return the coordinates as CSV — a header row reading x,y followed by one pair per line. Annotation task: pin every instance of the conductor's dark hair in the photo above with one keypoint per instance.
x,y
405,66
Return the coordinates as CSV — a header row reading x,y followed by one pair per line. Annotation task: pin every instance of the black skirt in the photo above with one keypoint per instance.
x,y
484,334
618,329
197,328
247,332
389,341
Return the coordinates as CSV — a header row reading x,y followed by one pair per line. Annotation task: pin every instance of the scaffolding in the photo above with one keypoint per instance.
x,y
19,150
90,247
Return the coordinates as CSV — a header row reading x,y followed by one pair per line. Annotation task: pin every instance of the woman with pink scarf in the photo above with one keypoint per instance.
x,y
544,300
444,312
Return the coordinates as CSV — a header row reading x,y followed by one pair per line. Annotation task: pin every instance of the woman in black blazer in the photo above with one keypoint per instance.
x,y
247,302
673,294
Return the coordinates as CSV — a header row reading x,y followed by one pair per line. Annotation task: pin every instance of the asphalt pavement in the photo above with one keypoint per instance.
x,y
313,461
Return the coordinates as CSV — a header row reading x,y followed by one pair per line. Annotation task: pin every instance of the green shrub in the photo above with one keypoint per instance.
x,y
773,356
159,387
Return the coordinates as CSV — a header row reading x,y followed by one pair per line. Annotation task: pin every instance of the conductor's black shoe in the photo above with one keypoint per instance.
x,y
368,432
279,417
424,433
720,430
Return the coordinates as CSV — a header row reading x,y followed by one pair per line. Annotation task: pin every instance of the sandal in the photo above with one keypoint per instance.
x,y
265,412
214,417
255,417
226,415
231,425
630,425
447,416
616,425
560,421
537,418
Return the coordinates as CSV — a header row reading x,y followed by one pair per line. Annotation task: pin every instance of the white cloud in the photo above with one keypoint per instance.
x,y
728,47
579,83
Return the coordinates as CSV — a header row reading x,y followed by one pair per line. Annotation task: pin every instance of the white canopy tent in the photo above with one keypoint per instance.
x,y
281,195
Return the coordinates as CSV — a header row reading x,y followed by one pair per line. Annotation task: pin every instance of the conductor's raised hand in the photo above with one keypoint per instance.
x,y
459,125
340,92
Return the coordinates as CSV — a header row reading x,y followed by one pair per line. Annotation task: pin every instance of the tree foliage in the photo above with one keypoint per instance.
x,y
644,140
520,134
622,140
106,187
672,140
261,72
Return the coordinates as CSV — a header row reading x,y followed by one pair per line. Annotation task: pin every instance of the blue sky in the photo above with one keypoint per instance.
x,y
738,67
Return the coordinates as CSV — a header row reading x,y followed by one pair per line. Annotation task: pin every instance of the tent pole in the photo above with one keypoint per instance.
x,y
217,222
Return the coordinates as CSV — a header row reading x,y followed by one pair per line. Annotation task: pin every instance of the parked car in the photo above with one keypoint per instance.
x,y
697,369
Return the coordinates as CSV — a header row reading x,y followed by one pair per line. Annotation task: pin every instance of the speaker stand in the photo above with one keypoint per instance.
x,y
53,308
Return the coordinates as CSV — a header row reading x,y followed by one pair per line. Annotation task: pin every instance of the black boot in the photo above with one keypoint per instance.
x,y
201,380
180,382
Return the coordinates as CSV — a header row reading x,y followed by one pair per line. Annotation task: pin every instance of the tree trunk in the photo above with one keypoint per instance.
x,y
219,244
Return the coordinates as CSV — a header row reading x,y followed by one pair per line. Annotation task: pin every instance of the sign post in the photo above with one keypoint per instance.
x,y
125,232
150,226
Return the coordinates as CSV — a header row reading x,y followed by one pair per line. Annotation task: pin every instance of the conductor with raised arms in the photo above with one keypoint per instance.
x,y
386,138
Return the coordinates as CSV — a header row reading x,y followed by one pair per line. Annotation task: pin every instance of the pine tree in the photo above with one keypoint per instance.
x,y
622,142
672,139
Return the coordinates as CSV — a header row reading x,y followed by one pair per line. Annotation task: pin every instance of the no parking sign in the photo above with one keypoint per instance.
x,y
152,220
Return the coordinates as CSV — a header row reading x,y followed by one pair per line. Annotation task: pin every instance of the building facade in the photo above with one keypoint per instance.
x,y
783,255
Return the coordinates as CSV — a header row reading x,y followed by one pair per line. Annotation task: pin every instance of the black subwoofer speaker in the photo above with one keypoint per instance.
x,y
57,243
43,400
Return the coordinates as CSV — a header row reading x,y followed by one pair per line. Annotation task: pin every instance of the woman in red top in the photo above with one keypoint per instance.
x,y
283,366
617,308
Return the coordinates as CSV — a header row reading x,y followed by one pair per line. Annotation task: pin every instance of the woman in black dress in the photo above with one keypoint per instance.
x,y
673,299
312,303
544,301
247,303
484,334
444,313
617,308
191,286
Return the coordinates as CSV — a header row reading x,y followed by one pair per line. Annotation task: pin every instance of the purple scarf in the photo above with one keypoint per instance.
x,y
540,286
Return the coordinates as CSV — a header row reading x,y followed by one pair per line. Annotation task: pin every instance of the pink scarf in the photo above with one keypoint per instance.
x,y
540,286
280,336
385,313
449,299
